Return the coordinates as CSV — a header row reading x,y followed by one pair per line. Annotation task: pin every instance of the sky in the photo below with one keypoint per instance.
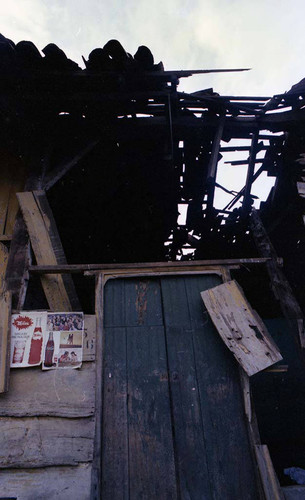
x,y
265,35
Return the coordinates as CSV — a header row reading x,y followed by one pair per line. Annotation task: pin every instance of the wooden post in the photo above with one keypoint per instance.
x,y
212,168
279,283
5,315
246,207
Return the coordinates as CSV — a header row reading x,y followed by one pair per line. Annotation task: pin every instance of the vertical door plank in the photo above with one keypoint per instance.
x,y
191,459
114,415
151,454
230,461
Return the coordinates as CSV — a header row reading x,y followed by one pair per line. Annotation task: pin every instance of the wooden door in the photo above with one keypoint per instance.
x,y
173,423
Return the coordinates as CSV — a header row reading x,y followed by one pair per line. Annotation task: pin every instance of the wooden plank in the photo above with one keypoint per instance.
x,y
232,475
49,221
44,441
296,492
5,315
12,175
95,493
269,478
5,187
301,189
55,483
20,252
89,337
114,425
3,265
18,263
150,434
70,393
155,266
39,231
190,449
278,281
239,327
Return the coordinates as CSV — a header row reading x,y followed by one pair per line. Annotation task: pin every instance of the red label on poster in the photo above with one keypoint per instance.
x,y
22,322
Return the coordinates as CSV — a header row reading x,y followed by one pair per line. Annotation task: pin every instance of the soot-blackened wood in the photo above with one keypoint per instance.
x,y
279,283
190,450
20,253
246,206
52,482
230,463
70,393
58,172
240,328
114,415
43,441
18,263
212,168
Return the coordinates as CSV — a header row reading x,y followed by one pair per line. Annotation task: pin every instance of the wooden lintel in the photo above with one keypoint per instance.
x,y
79,268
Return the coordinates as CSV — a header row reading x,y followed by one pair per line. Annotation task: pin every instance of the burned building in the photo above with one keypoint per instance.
x,y
96,166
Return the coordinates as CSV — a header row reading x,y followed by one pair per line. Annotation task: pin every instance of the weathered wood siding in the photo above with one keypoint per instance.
x,y
52,483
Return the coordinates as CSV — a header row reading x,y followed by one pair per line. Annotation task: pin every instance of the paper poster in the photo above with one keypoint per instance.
x,y
63,342
27,331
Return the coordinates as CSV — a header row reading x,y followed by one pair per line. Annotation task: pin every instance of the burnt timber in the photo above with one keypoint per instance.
x,y
96,165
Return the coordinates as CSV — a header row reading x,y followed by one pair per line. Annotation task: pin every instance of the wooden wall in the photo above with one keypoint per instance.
x,y
47,427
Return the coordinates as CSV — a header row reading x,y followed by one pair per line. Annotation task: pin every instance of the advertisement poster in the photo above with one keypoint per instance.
x,y
27,332
63,342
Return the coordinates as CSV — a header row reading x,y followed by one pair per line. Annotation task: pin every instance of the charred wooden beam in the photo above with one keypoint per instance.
x,y
279,283
58,172
212,167
246,207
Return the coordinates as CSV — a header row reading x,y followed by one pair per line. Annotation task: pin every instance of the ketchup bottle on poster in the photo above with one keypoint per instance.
x,y
48,360
36,344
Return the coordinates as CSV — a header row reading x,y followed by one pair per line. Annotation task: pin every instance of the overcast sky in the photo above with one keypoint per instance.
x,y
265,35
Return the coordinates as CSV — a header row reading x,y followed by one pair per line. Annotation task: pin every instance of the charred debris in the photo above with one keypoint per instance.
x,y
120,152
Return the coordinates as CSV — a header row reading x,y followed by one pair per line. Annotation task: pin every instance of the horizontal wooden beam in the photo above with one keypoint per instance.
x,y
79,268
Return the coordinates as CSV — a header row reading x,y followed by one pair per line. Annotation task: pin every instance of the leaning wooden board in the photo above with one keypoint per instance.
x,y
59,289
240,327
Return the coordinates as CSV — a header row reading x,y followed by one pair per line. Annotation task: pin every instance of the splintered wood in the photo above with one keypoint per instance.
x,y
240,327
